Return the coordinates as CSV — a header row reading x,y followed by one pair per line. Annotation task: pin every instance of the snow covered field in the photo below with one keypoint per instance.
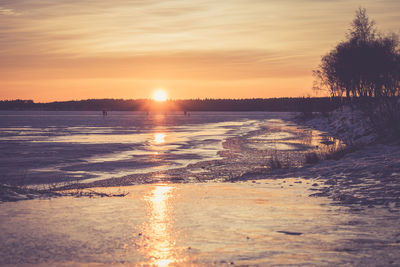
x,y
368,176
334,212
57,147
52,147
262,223
125,148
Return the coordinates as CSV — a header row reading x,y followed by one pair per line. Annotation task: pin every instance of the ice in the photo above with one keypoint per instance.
x,y
270,222
168,217
273,136
347,124
126,145
52,147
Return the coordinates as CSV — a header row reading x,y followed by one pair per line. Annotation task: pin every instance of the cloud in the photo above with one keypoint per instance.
x,y
89,27
198,40
211,65
8,12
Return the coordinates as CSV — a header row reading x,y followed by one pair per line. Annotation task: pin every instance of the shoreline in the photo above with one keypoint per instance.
x,y
260,223
368,176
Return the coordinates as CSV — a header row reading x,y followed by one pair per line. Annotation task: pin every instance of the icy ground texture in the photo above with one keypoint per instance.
x,y
240,156
45,147
350,126
130,147
265,223
369,176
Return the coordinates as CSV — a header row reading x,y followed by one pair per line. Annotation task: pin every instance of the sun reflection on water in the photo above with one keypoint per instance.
x,y
159,138
160,243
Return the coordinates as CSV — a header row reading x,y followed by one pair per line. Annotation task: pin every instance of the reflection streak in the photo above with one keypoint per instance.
x,y
160,244
159,138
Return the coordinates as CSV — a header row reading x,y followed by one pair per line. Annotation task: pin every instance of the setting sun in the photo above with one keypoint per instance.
x,y
160,95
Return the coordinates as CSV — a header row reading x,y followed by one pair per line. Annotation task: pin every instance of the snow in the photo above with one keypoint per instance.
x,y
369,175
208,146
260,223
349,125
57,147
268,221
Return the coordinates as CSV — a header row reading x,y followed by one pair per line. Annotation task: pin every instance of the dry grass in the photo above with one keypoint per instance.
x,y
274,163
331,153
15,193
312,158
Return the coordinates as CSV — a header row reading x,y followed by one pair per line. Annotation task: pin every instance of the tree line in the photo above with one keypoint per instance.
x,y
365,65
299,104
365,69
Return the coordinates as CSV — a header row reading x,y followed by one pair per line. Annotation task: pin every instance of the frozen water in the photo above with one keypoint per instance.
x,y
268,222
42,147
54,147
263,222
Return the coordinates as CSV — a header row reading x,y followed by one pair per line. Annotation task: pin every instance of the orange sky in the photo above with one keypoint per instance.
x,y
78,49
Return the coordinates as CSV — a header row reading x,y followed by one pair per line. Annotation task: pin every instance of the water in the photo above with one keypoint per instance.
x,y
53,147
269,222
162,223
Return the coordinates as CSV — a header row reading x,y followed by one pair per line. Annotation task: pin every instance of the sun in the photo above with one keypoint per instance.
x,y
160,95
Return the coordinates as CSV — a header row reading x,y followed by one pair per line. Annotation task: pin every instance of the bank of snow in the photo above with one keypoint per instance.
x,y
349,125
368,176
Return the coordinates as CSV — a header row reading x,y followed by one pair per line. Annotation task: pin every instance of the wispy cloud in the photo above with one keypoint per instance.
x,y
198,40
213,65
120,26
8,12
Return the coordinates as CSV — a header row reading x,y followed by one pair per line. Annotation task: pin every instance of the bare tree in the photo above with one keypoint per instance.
x,y
366,65
366,69
363,29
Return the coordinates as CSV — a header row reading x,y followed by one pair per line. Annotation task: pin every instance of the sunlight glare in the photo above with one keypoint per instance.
x,y
159,138
160,95
161,243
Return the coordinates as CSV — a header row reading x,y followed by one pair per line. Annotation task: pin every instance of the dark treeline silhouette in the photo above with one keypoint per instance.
x,y
300,104
366,65
303,104
365,68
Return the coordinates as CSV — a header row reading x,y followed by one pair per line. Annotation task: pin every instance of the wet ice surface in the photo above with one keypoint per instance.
x,y
369,176
43,147
54,147
267,222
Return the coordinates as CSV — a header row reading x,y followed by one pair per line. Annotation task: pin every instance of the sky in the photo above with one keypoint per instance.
x,y
54,50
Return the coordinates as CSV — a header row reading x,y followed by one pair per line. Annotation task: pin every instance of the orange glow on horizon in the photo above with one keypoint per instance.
x,y
120,49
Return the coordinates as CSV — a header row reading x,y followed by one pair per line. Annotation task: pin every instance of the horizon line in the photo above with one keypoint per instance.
x,y
182,99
